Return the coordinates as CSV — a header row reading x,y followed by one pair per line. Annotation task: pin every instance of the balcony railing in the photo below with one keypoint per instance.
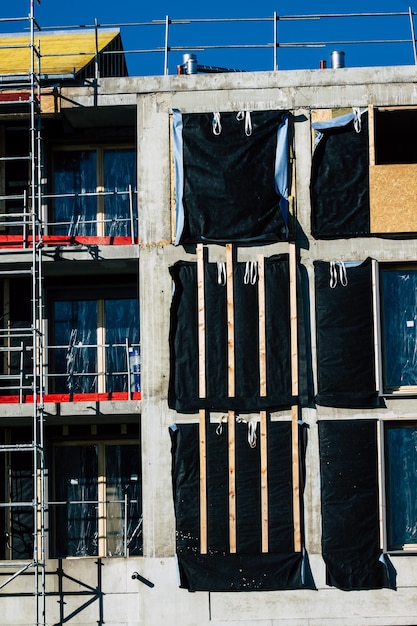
x,y
79,370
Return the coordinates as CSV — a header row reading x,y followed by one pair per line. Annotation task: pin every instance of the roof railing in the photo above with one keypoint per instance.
x,y
161,37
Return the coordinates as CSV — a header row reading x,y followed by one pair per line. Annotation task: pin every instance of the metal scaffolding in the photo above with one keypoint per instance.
x,y
23,91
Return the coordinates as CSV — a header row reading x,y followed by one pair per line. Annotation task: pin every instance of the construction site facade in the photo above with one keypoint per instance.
x,y
208,342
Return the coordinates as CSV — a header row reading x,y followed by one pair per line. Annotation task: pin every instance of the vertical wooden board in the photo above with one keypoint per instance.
x,y
232,480
201,323
294,408
371,134
296,479
230,322
264,482
293,319
203,480
262,327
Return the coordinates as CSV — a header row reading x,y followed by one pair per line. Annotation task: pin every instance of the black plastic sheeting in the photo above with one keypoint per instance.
x,y
350,506
248,569
345,336
183,393
340,183
229,191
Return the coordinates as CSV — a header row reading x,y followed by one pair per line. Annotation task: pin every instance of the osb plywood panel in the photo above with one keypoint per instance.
x,y
393,198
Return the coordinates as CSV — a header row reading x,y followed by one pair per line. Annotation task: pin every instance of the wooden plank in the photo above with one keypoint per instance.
x,y
294,408
293,318
203,481
230,323
264,482
262,327
371,134
296,479
201,323
232,480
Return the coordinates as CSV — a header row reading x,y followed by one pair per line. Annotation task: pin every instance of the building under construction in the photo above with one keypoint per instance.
x,y
208,340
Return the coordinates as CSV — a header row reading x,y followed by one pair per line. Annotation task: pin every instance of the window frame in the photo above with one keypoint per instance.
x,y
98,293
381,356
99,150
102,500
389,547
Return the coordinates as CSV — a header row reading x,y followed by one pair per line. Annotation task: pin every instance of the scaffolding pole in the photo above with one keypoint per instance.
x,y
31,219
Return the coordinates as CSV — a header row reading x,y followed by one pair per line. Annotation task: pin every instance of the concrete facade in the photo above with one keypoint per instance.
x,y
117,599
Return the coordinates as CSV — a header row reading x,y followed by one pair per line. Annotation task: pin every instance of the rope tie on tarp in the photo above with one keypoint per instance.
x,y
221,273
245,115
357,120
251,273
252,426
216,123
222,420
337,274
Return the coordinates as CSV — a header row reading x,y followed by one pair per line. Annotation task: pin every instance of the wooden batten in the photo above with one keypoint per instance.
x,y
201,323
230,322
203,481
371,134
262,328
294,408
264,481
231,430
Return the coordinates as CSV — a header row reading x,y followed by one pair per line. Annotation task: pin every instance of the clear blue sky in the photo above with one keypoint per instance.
x,y
61,13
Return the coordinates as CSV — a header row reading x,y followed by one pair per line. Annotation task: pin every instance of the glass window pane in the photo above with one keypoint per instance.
x,y
402,486
122,323
17,522
74,359
75,172
76,488
119,173
124,506
400,327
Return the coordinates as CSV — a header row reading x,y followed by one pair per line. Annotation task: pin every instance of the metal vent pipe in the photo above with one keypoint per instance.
x,y
189,62
337,59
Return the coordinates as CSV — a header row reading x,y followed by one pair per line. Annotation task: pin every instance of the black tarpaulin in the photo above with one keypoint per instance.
x,y
350,505
345,335
340,179
231,176
183,388
248,569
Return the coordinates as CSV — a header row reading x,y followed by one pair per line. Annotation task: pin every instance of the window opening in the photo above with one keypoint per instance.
x,y
401,485
91,345
395,136
97,499
16,520
399,328
95,192
16,365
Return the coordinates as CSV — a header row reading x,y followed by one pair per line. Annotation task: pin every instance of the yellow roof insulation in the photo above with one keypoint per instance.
x,y
61,52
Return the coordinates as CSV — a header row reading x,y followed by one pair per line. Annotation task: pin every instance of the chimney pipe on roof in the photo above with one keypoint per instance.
x,y
189,62
338,59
